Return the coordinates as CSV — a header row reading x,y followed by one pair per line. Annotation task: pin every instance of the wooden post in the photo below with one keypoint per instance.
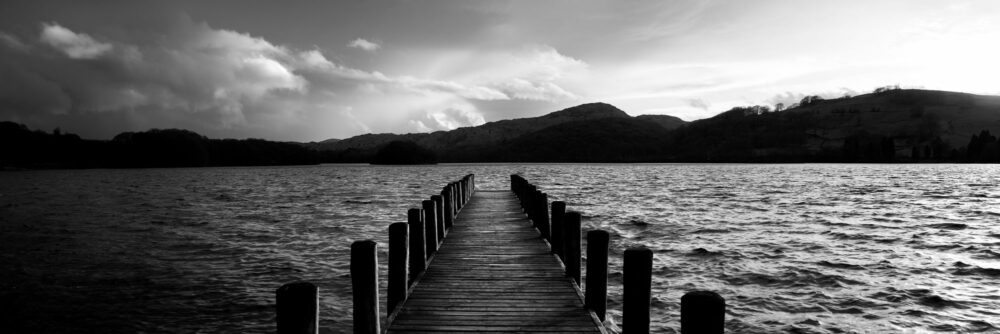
x,y
703,312
461,193
449,210
455,202
364,282
529,205
430,227
418,249
298,308
636,283
597,272
398,247
542,208
558,214
439,208
572,245
468,188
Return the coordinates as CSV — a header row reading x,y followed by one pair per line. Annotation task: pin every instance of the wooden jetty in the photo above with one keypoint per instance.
x,y
494,261
495,273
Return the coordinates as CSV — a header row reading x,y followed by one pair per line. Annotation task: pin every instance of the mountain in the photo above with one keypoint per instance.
x,y
885,126
888,125
484,141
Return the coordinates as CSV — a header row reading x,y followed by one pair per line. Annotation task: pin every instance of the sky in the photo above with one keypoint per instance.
x,y
315,70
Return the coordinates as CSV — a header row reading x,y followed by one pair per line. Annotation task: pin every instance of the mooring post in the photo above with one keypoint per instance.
x,y
703,312
457,189
418,249
453,198
430,227
469,187
298,308
636,284
532,209
456,198
572,249
364,282
558,215
543,215
462,192
449,211
439,209
596,296
398,256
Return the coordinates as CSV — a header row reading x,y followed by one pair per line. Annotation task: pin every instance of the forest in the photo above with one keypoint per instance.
x,y
21,147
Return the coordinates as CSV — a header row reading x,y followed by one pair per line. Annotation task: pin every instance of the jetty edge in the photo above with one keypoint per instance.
x,y
493,276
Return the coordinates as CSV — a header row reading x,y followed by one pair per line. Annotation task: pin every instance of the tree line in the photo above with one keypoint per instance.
x,y
21,147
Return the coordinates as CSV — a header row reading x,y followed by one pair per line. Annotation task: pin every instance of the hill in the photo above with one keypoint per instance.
x,y
886,126
487,142
21,147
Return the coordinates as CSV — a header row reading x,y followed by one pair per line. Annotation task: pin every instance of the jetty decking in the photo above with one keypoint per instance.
x,y
495,273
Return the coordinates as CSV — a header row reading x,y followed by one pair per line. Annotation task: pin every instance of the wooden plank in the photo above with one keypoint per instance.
x,y
495,274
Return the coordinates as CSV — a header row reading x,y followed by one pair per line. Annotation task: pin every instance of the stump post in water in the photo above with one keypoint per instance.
x,y
596,297
298,308
572,245
558,215
430,227
703,312
398,256
364,283
418,249
636,284
439,208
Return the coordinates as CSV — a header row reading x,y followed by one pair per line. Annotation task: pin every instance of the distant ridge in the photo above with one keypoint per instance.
x,y
488,136
901,125
888,125
891,124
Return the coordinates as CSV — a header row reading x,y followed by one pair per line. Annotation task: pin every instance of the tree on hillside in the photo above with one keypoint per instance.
x,y
810,99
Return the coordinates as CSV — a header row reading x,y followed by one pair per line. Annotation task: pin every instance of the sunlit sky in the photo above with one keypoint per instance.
x,y
314,70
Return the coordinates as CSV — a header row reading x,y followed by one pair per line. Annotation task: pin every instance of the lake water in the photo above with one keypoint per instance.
x,y
792,248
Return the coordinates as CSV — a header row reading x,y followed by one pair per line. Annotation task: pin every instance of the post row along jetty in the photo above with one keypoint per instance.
x,y
496,261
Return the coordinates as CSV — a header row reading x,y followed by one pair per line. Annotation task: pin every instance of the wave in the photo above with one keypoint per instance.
x,y
948,226
978,271
791,279
838,265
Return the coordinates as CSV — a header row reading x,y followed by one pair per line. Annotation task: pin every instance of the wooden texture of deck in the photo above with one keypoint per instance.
x,y
494,273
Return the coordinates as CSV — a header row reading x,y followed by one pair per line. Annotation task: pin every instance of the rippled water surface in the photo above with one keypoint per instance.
x,y
792,248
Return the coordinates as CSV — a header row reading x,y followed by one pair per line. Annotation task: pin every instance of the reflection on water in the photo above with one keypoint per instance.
x,y
796,248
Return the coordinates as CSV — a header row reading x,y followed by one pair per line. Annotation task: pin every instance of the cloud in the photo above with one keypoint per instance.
x,y
12,42
535,73
222,82
449,118
364,44
698,103
76,46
